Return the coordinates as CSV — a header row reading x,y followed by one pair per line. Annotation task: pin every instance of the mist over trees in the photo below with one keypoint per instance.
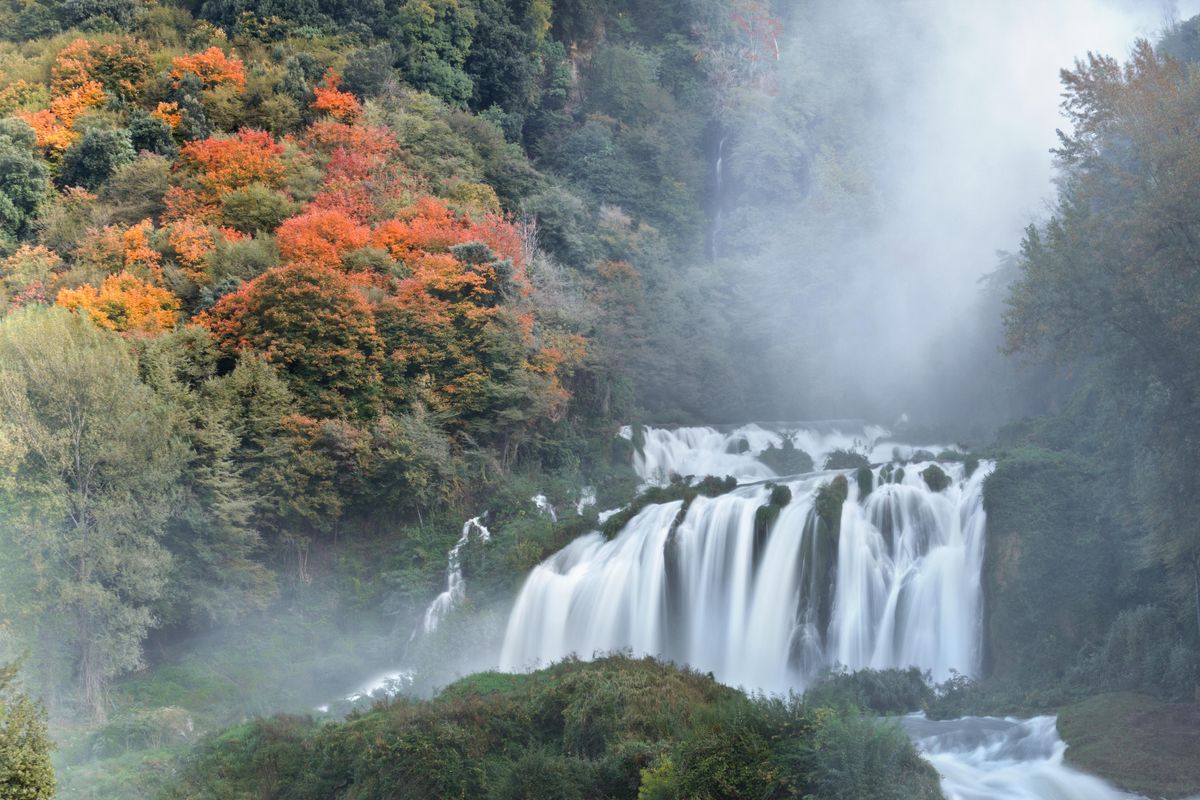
x,y
288,291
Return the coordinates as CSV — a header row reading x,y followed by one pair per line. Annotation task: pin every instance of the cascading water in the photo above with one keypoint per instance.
x,y
985,758
893,581
455,585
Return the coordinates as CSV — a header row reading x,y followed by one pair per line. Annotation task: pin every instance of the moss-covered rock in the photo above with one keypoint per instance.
x,y
935,478
866,482
846,459
765,516
830,498
1139,743
710,486
787,459
1051,565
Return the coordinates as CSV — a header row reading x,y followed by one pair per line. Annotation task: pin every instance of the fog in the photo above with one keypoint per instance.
x,y
920,134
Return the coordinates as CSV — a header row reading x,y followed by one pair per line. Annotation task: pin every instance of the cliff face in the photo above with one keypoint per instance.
x,y
1052,567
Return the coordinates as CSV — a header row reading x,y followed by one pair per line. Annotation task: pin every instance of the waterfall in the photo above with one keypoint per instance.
x,y
894,582
456,586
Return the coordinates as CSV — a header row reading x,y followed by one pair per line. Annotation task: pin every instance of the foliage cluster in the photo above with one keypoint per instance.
x,y
612,728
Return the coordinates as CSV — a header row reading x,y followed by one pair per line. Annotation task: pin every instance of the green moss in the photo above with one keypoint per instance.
x,y
786,459
1139,743
866,482
935,478
639,438
846,459
1050,566
830,498
710,486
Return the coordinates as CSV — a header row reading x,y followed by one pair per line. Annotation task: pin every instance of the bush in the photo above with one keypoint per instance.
x,y
613,728
846,459
786,459
886,691
93,159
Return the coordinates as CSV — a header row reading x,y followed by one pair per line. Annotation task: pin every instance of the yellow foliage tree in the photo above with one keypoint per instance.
x,y
124,303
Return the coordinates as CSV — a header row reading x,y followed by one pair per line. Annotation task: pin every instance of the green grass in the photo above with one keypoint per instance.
x,y
1139,743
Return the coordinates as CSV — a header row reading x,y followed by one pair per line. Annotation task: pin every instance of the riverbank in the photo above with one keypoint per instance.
x,y
1136,742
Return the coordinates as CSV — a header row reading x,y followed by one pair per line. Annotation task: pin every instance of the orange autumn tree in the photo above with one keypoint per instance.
x,y
116,248
457,336
124,303
212,67
321,237
328,99
52,126
121,67
208,169
314,326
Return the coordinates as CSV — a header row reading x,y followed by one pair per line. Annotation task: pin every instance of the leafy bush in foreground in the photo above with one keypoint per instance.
x,y
614,728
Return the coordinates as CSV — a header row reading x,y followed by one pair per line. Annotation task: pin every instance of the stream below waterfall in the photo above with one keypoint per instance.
x,y
988,758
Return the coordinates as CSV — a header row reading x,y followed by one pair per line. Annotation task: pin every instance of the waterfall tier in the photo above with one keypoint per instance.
x,y
892,579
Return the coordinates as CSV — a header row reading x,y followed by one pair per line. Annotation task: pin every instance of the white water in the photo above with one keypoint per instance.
x,y
456,586
986,758
700,451
899,587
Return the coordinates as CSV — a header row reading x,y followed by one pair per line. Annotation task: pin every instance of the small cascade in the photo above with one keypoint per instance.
x,y
985,758
456,587
701,451
889,579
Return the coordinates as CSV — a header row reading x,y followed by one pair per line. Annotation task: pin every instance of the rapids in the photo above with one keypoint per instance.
x,y
987,758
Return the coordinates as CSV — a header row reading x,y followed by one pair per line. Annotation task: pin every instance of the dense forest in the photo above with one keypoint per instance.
x,y
289,290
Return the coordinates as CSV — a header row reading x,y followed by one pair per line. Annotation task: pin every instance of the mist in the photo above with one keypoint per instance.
x,y
906,148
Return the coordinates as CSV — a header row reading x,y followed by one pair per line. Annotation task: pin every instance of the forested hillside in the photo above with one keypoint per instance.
x,y
289,290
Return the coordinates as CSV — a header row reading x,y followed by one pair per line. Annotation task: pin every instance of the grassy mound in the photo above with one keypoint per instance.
x,y
1139,743
613,728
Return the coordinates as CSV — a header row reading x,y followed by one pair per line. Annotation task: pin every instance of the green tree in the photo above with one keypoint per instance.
x,y
24,181
90,462
313,326
25,769
90,161
1112,278
211,534
432,39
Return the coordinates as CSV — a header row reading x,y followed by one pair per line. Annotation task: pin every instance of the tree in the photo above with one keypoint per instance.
x,y
320,237
24,180
212,67
90,161
25,769
212,534
84,493
310,323
124,303
1113,278
432,39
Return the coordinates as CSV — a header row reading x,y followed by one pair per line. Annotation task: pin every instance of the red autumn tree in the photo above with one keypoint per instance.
x,y
221,165
312,324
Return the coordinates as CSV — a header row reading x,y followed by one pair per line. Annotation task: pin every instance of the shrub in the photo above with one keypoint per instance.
x,y
846,459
